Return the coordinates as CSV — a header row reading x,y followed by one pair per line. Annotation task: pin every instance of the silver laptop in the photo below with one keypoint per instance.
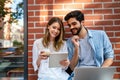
x,y
94,73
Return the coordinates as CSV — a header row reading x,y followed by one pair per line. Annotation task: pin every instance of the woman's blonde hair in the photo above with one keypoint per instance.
x,y
59,39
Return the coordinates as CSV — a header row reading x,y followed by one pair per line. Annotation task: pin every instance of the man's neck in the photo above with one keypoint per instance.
x,y
83,33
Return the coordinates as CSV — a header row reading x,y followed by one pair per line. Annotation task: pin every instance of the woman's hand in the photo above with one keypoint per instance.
x,y
43,55
65,63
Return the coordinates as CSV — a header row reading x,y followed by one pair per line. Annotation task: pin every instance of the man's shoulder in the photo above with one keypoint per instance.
x,y
68,39
97,34
96,31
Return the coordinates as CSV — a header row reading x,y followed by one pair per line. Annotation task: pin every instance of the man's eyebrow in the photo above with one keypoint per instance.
x,y
73,22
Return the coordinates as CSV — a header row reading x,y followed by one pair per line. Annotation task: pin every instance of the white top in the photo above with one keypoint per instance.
x,y
44,71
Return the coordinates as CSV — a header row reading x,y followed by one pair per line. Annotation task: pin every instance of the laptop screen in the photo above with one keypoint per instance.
x,y
94,73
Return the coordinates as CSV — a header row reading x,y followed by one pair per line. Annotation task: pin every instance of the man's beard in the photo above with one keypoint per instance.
x,y
78,30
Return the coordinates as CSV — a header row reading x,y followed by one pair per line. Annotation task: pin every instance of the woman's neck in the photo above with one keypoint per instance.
x,y
52,39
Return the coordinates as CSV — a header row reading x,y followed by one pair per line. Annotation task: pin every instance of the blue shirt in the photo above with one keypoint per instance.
x,y
100,43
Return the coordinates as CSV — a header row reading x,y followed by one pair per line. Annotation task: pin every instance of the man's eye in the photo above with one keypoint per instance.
x,y
74,24
68,25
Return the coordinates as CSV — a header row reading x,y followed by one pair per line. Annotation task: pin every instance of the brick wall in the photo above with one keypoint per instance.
x,y
99,14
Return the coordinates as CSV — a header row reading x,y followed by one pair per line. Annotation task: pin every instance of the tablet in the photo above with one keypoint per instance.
x,y
56,57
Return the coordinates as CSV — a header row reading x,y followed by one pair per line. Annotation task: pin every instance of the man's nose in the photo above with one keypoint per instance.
x,y
71,27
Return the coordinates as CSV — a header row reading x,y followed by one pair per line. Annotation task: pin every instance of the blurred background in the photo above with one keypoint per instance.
x,y
11,38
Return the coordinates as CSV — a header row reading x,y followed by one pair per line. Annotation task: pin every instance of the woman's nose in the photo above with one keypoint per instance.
x,y
56,30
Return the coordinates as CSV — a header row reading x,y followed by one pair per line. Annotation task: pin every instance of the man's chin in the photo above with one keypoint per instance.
x,y
74,33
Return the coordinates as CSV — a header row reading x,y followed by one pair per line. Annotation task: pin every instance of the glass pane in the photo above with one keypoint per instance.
x,y
11,39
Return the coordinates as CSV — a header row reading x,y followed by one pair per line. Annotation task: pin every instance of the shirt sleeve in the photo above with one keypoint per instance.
x,y
34,56
70,49
108,51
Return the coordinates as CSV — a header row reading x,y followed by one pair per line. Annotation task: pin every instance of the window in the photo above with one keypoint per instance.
x,y
13,26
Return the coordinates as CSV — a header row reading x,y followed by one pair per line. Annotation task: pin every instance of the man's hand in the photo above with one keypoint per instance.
x,y
75,40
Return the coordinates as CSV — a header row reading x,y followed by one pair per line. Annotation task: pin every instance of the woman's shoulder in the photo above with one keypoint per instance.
x,y
38,43
64,41
38,40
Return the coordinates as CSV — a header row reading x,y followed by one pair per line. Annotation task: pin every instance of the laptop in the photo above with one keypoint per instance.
x,y
94,73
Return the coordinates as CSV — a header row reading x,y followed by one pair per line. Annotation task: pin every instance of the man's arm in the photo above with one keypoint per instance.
x,y
109,53
75,56
108,62
74,59
73,62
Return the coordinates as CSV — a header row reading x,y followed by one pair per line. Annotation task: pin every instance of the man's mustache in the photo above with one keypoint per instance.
x,y
73,29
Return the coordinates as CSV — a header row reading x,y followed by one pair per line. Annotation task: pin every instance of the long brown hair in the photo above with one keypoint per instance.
x,y
59,39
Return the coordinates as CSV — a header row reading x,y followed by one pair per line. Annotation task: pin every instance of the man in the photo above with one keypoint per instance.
x,y
87,48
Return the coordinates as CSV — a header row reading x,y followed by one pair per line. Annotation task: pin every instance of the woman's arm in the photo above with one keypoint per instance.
x,y
34,56
38,61
43,56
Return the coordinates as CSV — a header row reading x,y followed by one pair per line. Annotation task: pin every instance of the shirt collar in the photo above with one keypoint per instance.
x,y
89,33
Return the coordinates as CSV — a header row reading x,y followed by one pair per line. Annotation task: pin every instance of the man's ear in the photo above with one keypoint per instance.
x,y
82,23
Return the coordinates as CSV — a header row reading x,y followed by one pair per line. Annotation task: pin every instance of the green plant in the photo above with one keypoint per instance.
x,y
17,44
20,47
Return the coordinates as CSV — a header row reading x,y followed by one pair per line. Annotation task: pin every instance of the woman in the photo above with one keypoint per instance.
x,y
52,41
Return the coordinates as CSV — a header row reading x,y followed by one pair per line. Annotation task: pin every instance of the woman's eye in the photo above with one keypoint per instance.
x,y
59,29
54,27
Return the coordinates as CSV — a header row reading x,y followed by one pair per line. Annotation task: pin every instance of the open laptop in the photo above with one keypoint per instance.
x,y
94,73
